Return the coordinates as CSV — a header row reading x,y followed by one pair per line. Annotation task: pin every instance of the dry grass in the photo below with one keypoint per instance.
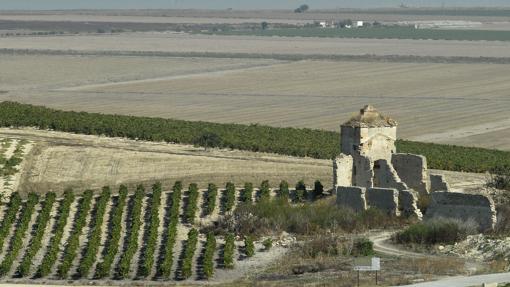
x,y
60,160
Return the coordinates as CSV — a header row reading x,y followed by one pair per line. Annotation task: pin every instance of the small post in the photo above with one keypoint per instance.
x,y
376,281
358,278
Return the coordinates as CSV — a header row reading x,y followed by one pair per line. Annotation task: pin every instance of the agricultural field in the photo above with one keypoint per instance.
x,y
61,160
12,154
433,102
379,33
171,42
147,233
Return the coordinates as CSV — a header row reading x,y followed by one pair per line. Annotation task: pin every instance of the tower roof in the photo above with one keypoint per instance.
x,y
369,117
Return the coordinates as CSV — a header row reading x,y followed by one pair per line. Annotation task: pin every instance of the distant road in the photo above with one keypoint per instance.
x,y
466,281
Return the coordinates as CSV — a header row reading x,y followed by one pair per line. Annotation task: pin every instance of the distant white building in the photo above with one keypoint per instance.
x,y
359,24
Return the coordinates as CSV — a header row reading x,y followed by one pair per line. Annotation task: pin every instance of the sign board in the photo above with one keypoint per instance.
x,y
367,264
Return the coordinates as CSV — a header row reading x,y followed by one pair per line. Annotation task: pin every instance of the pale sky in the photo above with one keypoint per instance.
x,y
235,4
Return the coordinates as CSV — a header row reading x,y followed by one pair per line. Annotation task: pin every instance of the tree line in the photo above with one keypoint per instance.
x,y
288,141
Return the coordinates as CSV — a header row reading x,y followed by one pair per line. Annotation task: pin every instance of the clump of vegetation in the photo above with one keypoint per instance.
x,y
322,216
335,245
499,177
301,9
436,231
301,192
283,190
229,197
208,261
191,206
318,189
363,247
189,252
247,193
268,243
166,266
228,252
249,246
265,191
212,193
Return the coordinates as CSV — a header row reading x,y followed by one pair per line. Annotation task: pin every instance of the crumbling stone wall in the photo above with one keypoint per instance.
x,y
363,172
385,199
342,170
412,169
352,197
462,206
408,204
386,177
438,183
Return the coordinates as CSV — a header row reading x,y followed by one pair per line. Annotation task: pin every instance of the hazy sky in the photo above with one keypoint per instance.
x,y
235,4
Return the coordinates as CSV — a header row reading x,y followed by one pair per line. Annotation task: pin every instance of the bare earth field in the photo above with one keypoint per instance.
x,y
185,43
446,103
60,160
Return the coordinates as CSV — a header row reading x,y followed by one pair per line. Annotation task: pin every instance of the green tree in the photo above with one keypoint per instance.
x,y
208,140
318,189
301,192
264,25
283,191
301,9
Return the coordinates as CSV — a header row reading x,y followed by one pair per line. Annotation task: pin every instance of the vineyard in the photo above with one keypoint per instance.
x,y
143,234
12,152
258,138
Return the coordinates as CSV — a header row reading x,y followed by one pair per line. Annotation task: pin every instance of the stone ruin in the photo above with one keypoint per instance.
x,y
370,173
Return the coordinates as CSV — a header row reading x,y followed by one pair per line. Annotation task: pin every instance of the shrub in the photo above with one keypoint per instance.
x,y
132,237
306,219
95,235
208,262
112,243
36,241
228,252
150,247
19,234
53,248
363,247
247,193
499,177
73,241
318,189
230,196
212,194
249,247
283,190
191,207
9,216
265,191
189,252
301,192
268,243
436,231
166,266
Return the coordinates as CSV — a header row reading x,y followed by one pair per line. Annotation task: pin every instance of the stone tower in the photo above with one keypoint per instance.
x,y
370,135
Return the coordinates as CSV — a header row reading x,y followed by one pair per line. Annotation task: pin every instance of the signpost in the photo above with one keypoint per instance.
x,y
368,264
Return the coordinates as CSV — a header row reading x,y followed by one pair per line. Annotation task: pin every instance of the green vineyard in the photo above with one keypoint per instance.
x,y
143,234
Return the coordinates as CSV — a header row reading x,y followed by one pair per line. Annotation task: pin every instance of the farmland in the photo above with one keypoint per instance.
x,y
380,33
433,102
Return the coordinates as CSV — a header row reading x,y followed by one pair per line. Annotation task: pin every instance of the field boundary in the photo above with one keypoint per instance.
x,y
283,57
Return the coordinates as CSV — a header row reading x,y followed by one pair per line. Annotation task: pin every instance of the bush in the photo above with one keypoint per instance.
x,y
228,252
437,231
265,191
301,192
318,189
230,197
171,234
19,234
208,262
247,193
133,231
268,243
189,252
112,243
95,235
152,238
36,241
212,194
306,219
51,253
10,216
73,241
499,177
363,247
283,190
249,247
191,207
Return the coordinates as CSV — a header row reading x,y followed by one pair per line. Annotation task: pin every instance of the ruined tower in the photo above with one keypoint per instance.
x,y
369,134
